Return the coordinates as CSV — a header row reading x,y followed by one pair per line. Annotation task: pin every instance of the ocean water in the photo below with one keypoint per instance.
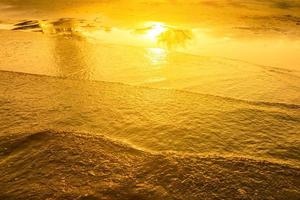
x,y
154,119
164,94
79,58
72,165
74,139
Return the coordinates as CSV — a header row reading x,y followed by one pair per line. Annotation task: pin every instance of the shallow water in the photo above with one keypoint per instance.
x,y
70,165
151,119
80,139
159,99
250,52
234,64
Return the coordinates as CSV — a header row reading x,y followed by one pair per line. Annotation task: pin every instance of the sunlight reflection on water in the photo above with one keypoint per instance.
x,y
251,53
157,56
182,45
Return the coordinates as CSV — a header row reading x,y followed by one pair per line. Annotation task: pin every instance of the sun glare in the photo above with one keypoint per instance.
x,y
157,56
156,28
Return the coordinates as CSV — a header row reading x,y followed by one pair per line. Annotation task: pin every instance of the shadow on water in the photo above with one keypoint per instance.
x,y
68,47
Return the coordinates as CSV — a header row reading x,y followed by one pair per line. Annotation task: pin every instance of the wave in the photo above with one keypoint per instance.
x,y
74,165
252,102
153,119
